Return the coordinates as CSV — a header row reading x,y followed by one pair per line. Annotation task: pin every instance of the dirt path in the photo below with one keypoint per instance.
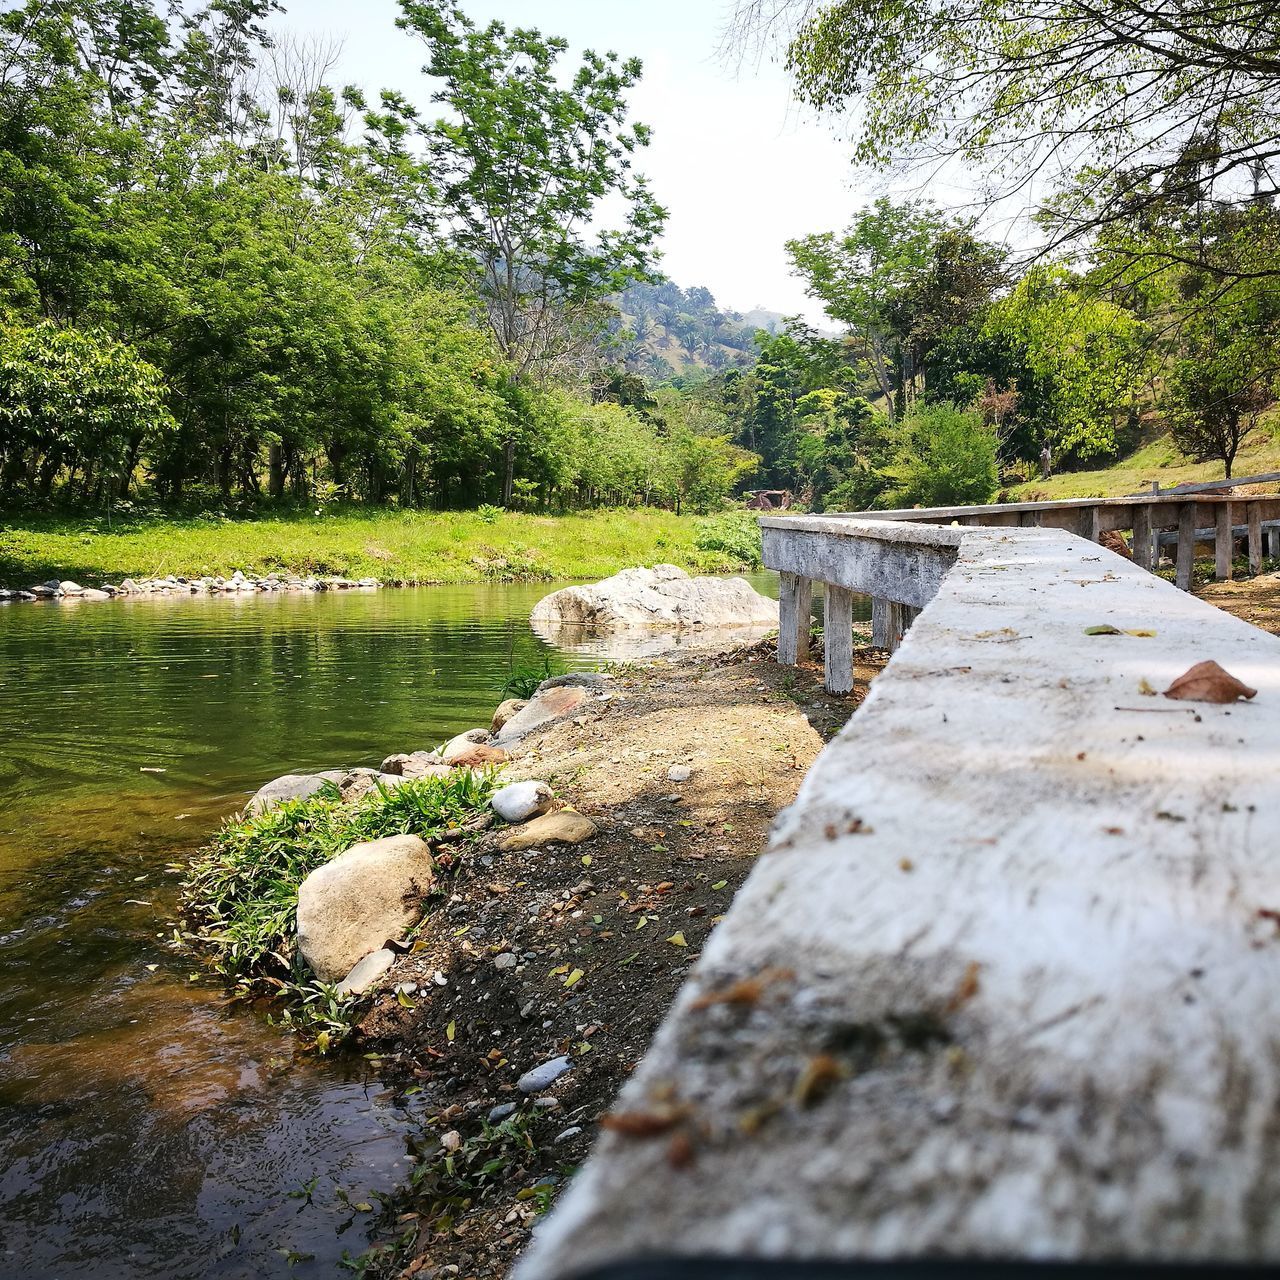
x,y
1256,600
578,950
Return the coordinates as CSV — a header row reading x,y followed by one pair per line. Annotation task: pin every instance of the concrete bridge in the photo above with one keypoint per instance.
x,y
901,571
1006,981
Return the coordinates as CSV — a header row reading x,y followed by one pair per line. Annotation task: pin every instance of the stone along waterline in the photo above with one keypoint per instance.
x,y
149,1130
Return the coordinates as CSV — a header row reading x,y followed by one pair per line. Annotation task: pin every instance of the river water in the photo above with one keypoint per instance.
x,y
146,1129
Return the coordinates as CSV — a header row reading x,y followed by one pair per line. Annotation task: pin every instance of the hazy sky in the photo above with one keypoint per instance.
x,y
740,168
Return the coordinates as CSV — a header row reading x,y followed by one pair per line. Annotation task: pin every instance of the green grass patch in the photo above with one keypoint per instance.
x,y
1157,460
240,894
412,547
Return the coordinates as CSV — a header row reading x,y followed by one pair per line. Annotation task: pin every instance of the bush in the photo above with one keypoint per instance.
x,y
945,456
735,534
241,892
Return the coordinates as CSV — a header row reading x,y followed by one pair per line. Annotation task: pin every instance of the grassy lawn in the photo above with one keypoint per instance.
x,y
395,546
1158,460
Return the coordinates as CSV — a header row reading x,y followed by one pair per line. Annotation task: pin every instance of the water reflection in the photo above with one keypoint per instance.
x,y
148,1130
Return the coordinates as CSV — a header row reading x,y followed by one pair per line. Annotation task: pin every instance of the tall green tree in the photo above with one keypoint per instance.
x,y
524,164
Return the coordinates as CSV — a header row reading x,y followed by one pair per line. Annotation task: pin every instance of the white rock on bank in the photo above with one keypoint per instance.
x,y
364,973
364,897
520,801
664,597
463,743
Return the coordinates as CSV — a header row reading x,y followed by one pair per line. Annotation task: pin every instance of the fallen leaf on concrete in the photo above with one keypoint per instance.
x,y
1103,629
1144,688
816,1080
968,988
1143,633
643,1124
743,990
1208,682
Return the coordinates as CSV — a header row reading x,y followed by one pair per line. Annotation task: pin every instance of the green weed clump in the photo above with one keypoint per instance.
x,y
241,892
734,534
523,679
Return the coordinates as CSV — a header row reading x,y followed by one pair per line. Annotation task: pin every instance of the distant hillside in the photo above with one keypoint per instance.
x,y
666,331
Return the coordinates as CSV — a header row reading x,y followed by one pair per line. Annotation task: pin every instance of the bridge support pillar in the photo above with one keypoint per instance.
x,y
795,607
837,633
888,622
1223,542
1186,545
1142,552
1254,518
1273,543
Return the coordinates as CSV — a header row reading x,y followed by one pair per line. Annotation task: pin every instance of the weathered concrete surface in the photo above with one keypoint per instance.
x,y
1008,981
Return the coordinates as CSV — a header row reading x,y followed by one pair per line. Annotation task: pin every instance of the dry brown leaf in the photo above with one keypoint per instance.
x,y
743,991
1208,682
968,988
644,1124
680,1151
816,1080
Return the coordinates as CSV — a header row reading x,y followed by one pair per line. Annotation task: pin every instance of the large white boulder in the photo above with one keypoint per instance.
x,y
365,897
664,598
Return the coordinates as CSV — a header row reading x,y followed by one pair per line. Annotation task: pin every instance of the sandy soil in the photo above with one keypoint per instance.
x,y
1256,600
602,934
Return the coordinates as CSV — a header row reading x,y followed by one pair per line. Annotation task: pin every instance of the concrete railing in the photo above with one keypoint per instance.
x,y
1142,516
1005,982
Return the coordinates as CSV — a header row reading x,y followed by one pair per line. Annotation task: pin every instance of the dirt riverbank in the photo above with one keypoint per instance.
x,y
1256,600
576,951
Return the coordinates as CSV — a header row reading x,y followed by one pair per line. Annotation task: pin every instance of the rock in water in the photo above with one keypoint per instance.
x,y
293,786
352,905
663,597
352,783
563,827
520,801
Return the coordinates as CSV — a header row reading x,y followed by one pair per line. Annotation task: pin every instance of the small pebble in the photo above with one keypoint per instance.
x,y
679,773
571,1132
546,1104
507,960
501,1112
451,1141
540,1077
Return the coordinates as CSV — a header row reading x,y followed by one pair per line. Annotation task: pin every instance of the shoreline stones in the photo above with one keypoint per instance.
x,y
520,801
554,700
351,906
352,783
239,583
565,826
